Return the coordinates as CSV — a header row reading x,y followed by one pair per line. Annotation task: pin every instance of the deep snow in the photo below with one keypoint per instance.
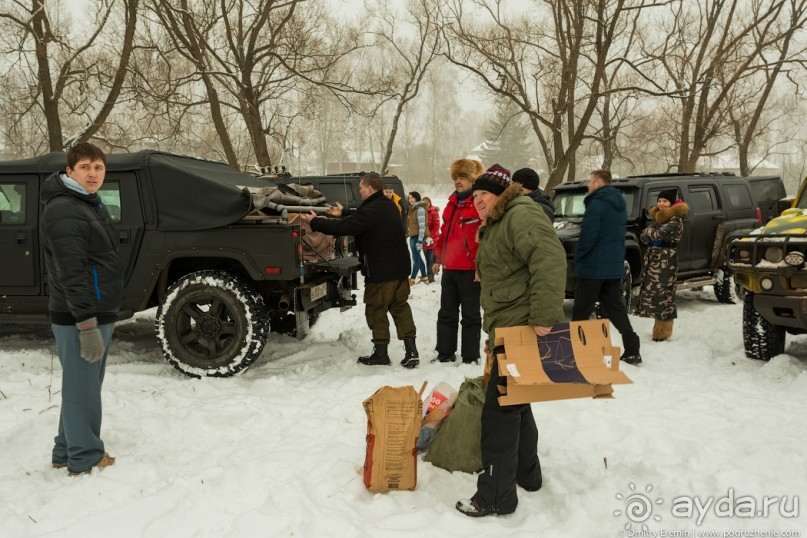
x,y
275,451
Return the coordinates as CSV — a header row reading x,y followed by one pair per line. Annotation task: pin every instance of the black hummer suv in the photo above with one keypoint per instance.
x,y
192,245
720,205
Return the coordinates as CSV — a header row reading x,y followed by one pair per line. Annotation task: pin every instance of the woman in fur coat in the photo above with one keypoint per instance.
x,y
660,267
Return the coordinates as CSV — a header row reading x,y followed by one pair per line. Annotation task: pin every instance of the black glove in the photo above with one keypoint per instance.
x,y
90,340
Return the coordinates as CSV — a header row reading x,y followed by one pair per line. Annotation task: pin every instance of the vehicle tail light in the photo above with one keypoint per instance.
x,y
273,270
759,215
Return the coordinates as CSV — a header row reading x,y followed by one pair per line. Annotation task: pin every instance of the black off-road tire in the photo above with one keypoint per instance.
x,y
762,340
212,324
724,286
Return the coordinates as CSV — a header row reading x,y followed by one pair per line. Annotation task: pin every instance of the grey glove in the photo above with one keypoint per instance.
x,y
90,340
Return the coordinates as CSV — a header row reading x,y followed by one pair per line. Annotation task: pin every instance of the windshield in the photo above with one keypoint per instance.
x,y
569,203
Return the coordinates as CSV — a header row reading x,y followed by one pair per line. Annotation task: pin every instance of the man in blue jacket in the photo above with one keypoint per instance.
x,y
599,260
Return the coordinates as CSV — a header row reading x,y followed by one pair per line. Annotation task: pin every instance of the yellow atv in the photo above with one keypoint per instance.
x,y
769,266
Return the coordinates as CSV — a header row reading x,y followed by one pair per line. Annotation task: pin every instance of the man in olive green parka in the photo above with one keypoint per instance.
x,y
522,268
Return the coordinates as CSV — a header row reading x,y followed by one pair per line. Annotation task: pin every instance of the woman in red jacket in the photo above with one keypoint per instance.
x,y
433,222
456,252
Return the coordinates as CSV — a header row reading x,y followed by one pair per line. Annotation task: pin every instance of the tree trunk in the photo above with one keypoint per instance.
x,y
50,104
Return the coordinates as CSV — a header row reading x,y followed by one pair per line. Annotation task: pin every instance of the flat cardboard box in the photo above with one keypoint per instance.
x,y
575,360
393,425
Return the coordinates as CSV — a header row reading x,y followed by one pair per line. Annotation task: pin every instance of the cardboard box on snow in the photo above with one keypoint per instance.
x,y
575,360
393,424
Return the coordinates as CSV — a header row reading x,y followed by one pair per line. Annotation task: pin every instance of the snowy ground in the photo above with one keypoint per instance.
x,y
275,451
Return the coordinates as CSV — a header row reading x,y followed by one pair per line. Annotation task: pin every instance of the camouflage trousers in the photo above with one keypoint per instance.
x,y
382,298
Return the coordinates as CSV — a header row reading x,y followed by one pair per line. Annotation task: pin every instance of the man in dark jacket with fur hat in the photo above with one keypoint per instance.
x,y
599,260
381,242
85,281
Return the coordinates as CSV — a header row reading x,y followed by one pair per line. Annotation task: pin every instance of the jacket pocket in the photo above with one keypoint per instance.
x,y
508,294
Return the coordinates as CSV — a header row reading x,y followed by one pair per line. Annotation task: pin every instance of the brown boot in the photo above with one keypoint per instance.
x,y
662,329
106,461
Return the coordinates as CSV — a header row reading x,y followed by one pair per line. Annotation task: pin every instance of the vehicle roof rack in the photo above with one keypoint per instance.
x,y
685,174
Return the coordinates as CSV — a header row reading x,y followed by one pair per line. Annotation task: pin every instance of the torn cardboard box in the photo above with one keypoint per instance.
x,y
575,360
393,423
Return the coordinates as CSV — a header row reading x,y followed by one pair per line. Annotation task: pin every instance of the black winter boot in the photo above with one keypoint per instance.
x,y
411,358
379,356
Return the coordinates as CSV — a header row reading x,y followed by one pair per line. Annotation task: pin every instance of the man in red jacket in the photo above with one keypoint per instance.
x,y
455,250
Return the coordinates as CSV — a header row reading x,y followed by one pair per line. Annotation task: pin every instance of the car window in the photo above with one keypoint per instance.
x,y
703,198
570,203
768,190
110,195
337,192
738,197
12,203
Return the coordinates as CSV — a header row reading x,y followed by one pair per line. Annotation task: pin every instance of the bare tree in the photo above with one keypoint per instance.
x,y
707,47
748,106
260,59
61,65
409,56
551,64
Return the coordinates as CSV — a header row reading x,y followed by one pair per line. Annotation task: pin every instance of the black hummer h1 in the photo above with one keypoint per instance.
x,y
720,204
187,247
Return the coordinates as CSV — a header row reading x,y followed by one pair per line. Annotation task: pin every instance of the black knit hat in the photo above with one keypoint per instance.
x,y
415,195
494,180
670,195
527,177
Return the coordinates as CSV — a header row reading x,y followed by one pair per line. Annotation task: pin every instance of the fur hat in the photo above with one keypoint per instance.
x,y
467,168
670,195
495,180
527,177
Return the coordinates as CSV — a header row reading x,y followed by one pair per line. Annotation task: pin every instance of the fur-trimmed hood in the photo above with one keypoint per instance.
x,y
661,216
511,192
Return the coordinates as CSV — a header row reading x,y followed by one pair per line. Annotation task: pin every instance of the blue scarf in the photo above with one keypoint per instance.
x,y
72,185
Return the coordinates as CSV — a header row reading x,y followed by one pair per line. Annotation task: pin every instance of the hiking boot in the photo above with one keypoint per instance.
x,y
445,358
59,465
411,358
634,358
378,357
431,279
471,508
424,280
106,461
412,282
467,360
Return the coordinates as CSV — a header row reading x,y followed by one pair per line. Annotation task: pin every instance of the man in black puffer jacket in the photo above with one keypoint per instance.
x,y
381,243
85,283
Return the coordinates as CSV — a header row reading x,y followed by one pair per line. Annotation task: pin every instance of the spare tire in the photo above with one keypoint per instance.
x,y
211,324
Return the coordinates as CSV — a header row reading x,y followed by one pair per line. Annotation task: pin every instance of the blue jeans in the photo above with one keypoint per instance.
x,y
78,442
418,265
429,262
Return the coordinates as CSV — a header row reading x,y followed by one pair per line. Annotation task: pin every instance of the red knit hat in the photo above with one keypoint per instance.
x,y
494,180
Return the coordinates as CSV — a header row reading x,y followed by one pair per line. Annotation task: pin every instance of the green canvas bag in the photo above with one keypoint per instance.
x,y
457,443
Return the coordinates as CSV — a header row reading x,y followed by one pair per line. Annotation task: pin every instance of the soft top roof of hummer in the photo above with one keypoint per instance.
x,y
190,193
